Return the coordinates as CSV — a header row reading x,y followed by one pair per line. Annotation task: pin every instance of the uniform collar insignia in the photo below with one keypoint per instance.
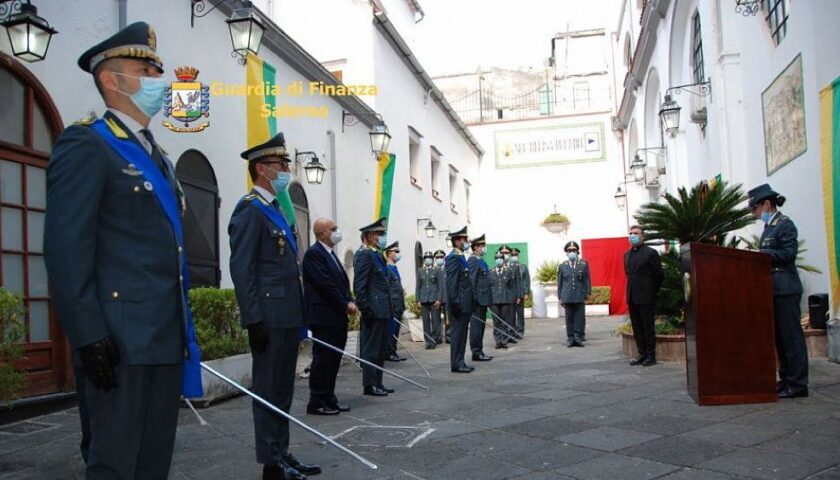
x,y
116,129
132,170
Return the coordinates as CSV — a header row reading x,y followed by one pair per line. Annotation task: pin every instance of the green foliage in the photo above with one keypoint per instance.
x,y
216,317
412,305
599,296
529,301
555,218
700,215
662,326
355,322
12,336
547,273
670,301
751,243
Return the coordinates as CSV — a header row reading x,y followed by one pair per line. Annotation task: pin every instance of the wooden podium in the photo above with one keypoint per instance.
x,y
729,332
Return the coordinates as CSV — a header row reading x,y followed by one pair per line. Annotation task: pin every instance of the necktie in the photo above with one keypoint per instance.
x,y
275,204
335,257
156,155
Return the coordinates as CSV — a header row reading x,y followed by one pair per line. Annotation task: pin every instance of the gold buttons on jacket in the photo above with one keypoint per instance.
x,y
115,294
136,189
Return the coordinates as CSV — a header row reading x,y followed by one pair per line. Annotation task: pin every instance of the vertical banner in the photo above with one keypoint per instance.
x,y
260,75
606,267
830,148
384,185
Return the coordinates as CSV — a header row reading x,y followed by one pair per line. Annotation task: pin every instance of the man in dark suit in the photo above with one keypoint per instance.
x,y
644,277
779,240
266,275
481,287
328,303
392,256
430,292
114,250
373,296
460,293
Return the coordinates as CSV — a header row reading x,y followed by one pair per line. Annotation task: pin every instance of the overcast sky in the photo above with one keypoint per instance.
x,y
458,35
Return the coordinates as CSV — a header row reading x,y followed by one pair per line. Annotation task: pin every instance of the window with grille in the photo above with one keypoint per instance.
x,y
697,50
776,14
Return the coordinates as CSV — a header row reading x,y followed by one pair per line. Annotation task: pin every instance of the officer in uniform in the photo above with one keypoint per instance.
x,y
267,277
502,283
779,240
392,254
373,297
430,293
523,280
460,293
114,251
441,317
574,285
481,289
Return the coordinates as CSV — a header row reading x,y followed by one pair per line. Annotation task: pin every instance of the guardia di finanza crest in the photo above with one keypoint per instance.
x,y
186,101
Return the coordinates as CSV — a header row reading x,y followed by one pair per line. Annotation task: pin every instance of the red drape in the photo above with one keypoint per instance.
x,y
606,265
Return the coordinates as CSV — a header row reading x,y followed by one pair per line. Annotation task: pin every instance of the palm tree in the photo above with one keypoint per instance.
x,y
751,243
703,214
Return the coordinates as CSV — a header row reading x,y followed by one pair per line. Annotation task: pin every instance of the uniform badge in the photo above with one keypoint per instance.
x,y
132,170
148,186
186,101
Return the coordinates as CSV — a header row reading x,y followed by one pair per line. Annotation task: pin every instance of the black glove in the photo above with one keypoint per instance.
x,y
99,359
257,337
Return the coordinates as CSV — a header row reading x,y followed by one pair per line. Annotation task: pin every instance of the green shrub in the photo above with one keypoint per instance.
x,y
216,318
355,322
529,301
12,335
412,305
662,326
547,273
599,296
555,218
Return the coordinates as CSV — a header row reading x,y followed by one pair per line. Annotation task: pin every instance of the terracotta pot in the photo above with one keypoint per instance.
x,y
669,348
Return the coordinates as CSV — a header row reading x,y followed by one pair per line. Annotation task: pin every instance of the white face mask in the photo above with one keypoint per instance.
x,y
397,257
335,237
428,262
439,262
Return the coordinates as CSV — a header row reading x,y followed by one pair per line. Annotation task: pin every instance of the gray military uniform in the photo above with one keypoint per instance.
x,y
502,295
523,286
573,286
431,288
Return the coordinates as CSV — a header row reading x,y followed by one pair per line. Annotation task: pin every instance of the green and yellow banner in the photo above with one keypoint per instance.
x,y
259,127
830,121
384,185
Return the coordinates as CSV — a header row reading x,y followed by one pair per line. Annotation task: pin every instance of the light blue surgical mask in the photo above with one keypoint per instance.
x,y
514,259
466,246
766,216
397,258
439,262
507,257
572,256
383,241
634,239
149,98
500,262
281,183
428,262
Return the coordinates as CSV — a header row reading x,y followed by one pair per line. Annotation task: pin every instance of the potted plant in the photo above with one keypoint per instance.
x,y
547,276
12,334
529,306
415,323
598,302
556,222
224,345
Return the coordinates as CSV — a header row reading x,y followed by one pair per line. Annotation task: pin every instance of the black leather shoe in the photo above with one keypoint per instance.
x,y
510,340
638,360
341,408
430,347
481,357
570,343
386,389
375,392
281,472
325,411
780,385
303,468
501,345
791,393
577,343
461,370
649,362
395,358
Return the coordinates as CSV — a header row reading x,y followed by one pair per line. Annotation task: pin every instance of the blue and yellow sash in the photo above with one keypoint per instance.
x,y
132,153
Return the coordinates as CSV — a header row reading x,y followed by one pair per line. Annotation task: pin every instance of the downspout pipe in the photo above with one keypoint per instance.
x,y
122,9
333,176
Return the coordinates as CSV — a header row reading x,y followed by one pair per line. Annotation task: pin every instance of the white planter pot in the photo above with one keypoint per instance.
x,y
528,312
415,327
237,368
599,310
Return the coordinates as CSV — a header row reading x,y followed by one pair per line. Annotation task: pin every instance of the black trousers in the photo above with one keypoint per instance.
x,y
575,321
459,325
431,322
642,319
325,365
394,335
373,338
477,329
273,373
505,312
790,342
84,416
519,314
132,428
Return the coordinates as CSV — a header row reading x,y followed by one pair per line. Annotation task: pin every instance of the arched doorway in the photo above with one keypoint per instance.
x,y
301,205
201,220
29,124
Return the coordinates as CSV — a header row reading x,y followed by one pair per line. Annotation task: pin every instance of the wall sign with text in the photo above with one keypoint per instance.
x,y
553,145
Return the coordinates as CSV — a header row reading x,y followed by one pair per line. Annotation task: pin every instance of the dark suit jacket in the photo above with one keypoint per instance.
x,y
644,275
459,288
479,275
326,288
779,240
110,251
267,281
370,284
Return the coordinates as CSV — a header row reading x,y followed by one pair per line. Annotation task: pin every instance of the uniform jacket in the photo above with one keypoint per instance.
x,y
431,285
524,281
458,283
267,280
644,275
502,282
371,285
396,290
573,282
326,288
480,281
779,240
111,252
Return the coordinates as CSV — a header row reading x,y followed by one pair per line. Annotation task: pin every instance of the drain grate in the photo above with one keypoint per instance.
x,y
23,428
383,436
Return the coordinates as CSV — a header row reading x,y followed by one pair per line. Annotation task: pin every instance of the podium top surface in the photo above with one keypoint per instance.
x,y
709,249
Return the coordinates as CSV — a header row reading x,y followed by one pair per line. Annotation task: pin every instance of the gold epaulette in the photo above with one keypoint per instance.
x,y
249,197
86,121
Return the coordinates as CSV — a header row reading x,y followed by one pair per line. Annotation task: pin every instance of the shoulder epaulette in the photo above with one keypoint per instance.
x,y
86,121
249,197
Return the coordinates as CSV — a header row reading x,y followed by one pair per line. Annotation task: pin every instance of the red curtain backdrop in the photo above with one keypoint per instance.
x,y
606,265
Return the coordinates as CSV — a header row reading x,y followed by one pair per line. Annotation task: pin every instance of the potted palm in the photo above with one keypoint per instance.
x,y
547,276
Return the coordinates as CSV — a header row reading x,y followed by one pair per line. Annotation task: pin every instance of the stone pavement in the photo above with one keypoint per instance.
x,y
537,411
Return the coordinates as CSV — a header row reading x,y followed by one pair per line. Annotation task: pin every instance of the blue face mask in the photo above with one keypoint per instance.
x,y
382,242
466,246
281,183
500,262
439,262
149,98
572,256
766,216
634,239
427,262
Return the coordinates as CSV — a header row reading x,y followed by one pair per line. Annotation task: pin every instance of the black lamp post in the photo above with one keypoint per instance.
x,y
29,34
430,228
314,169
380,137
246,32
